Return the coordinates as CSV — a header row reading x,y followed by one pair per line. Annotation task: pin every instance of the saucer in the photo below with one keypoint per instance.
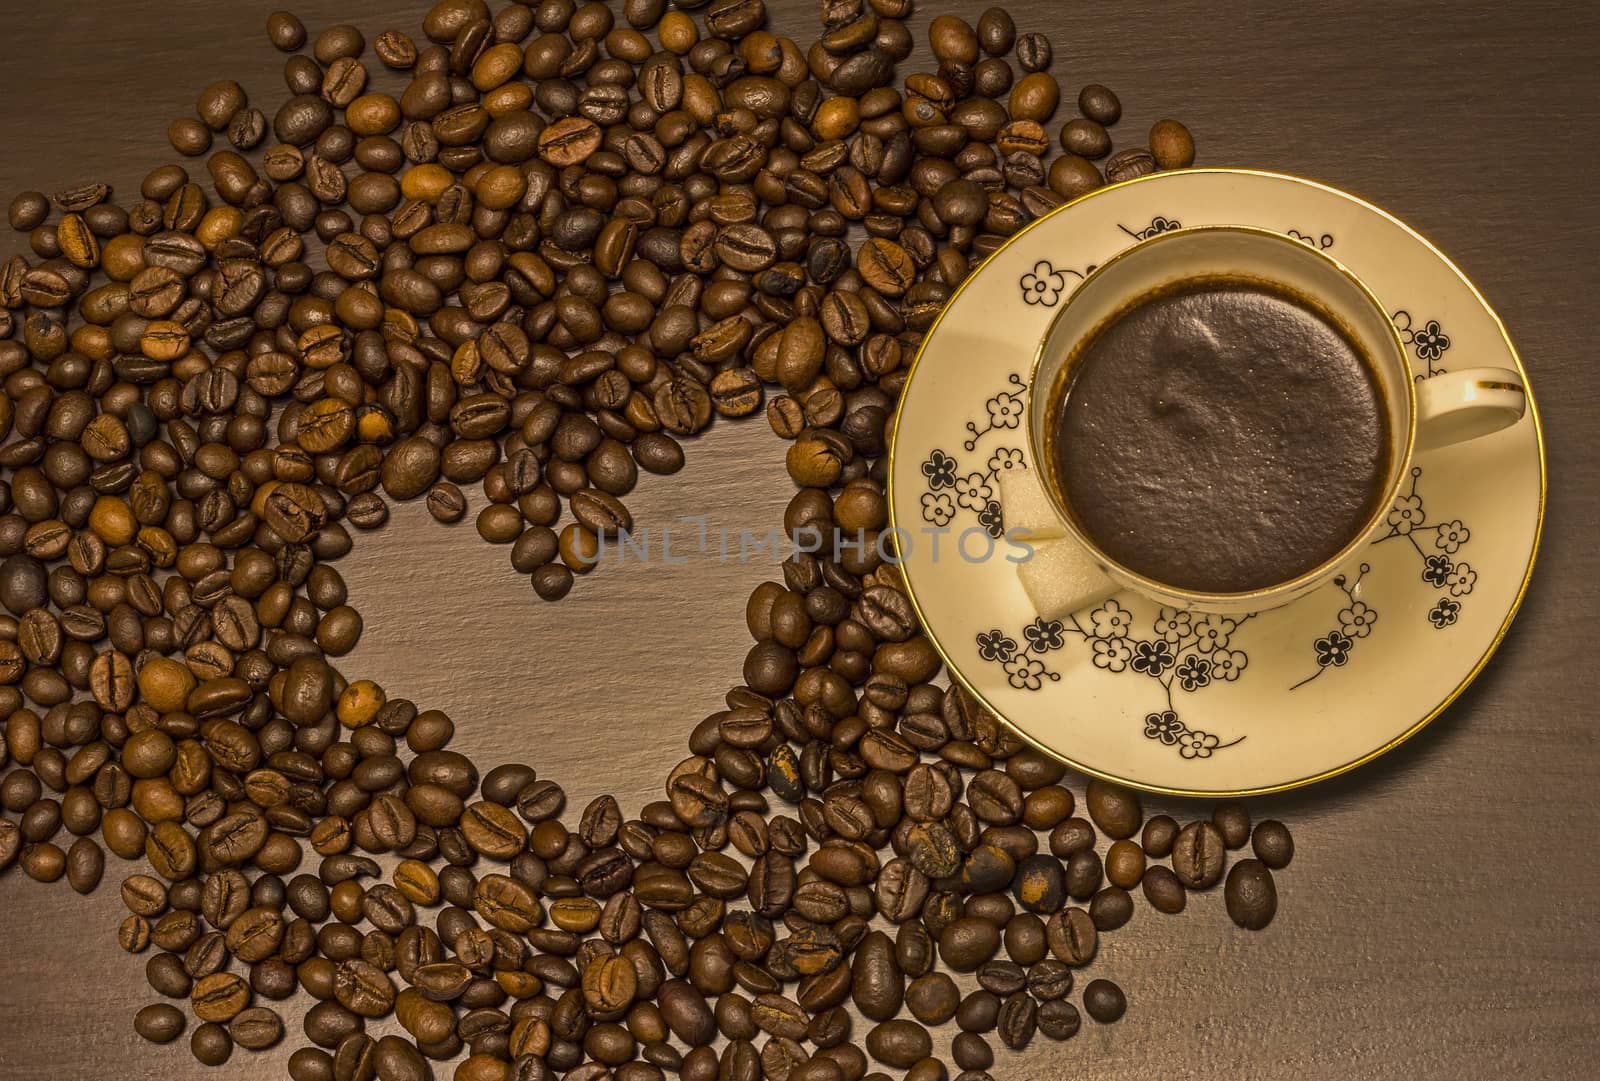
x,y
1194,704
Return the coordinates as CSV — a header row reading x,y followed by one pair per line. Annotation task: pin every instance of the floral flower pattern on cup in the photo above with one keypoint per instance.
x,y
1158,225
973,491
940,469
1319,241
954,487
1436,544
1180,655
1444,613
1166,727
1043,285
938,508
1355,621
1427,340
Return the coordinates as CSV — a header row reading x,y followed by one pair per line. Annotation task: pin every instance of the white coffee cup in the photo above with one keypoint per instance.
x,y
1423,413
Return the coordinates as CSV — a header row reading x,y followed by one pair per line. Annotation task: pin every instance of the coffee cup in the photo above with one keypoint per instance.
x,y
1070,570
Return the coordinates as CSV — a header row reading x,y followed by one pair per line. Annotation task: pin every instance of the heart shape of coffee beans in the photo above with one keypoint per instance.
x,y
561,244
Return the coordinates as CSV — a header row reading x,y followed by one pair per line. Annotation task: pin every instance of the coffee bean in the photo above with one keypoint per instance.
x,y
1083,874
996,33
85,865
363,989
971,1052
210,1044
1233,823
877,986
1198,854
1058,1019
933,998
1250,895
159,1023
1004,978
220,996
1071,176
1130,164
979,1011
1124,864
1164,890
28,211
1025,938
1019,1020
1040,884
1086,138
256,1028
1111,908
1099,104
967,943
1160,831
1272,844
286,31
1171,145
1035,97
1033,52
900,1044
1072,936
1104,1001
1116,810
885,266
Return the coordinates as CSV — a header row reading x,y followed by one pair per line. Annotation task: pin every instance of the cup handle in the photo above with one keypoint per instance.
x,y
1060,577
1457,406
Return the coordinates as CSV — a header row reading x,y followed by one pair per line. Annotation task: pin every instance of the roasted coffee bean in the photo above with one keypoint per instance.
x,y
1033,52
1116,810
1160,831
1083,874
1072,936
220,996
933,998
210,1044
286,31
256,1028
1130,164
1272,844
1002,977
1164,890
1111,908
967,943
1018,1021
1104,1001
1040,884
1085,138
159,1023
1124,864
1233,823
1198,854
1099,104
878,985
1171,145
900,1044
970,1051
1059,1019
1250,895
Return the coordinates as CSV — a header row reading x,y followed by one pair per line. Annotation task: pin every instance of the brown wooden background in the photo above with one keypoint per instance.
x,y
1440,920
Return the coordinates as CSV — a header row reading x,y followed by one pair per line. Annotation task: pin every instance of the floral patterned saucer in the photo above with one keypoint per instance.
x,y
1194,704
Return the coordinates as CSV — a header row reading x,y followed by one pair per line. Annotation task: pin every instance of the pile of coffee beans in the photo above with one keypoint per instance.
x,y
562,243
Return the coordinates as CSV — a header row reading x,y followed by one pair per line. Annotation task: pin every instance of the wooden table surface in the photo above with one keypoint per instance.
x,y
1440,919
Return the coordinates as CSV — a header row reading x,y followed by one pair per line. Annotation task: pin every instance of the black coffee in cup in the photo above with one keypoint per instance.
x,y
1221,435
